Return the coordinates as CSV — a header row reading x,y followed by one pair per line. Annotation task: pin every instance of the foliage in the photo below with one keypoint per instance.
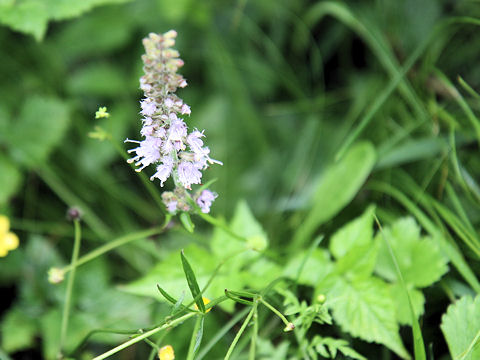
x,y
348,200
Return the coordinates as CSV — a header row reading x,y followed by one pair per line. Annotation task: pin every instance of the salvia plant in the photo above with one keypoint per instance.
x,y
350,137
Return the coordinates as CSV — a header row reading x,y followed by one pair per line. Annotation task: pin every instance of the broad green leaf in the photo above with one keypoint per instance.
x,y
32,16
336,188
420,260
365,309
192,282
170,276
355,233
41,126
316,267
18,330
359,262
461,328
98,80
10,179
402,306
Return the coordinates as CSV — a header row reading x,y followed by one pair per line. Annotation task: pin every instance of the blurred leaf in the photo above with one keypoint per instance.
x,y
32,16
41,126
336,188
359,262
317,266
170,276
356,232
18,331
99,80
10,179
420,260
366,310
461,328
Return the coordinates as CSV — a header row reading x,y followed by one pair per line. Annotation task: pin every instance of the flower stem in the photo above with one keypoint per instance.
x,y
144,336
253,342
240,332
278,313
115,244
71,279
193,340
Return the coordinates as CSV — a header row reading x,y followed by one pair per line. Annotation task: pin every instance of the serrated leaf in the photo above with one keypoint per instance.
x,y
420,260
10,178
32,16
337,187
192,282
41,126
461,328
357,232
365,309
359,262
402,306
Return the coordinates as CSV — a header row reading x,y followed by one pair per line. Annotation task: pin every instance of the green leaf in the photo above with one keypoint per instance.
x,y
461,328
402,306
10,178
169,274
365,309
336,188
359,262
316,267
420,260
192,282
41,126
321,344
98,80
32,16
18,330
187,222
356,232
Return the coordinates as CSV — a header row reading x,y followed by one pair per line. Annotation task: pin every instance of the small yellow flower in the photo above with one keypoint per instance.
x,y
205,301
8,240
166,353
102,113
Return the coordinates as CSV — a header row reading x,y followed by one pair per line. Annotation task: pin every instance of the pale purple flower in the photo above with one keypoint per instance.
x,y
185,110
171,206
178,130
205,200
163,170
188,174
148,152
168,103
148,107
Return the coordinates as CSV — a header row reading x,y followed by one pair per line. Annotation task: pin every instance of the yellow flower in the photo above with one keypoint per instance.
x,y
102,113
166,353
8,240
205,301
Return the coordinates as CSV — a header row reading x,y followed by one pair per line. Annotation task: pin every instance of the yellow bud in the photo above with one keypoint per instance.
x,y
4,224
10,241
166,353
55,275
205,301
3,251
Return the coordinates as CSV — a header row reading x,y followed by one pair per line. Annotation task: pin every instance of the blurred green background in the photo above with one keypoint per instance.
x,y
282,88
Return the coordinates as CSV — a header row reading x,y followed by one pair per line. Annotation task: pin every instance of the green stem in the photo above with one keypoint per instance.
x,y
115,244
71,279
144,336
239,334
278,313
253,343
220,224
191,352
